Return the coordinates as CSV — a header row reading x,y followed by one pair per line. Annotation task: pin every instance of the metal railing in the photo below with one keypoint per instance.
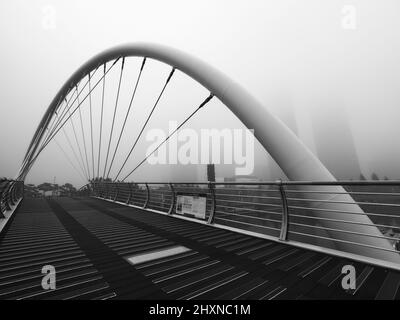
x,y
11,191
359,218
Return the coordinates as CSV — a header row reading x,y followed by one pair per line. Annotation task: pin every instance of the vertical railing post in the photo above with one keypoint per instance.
x,y
211,188
134,187
171,209
5,197
130,193
285,212
16,192
11,192
103,190
8,195
116,191
17,184
147,196
94,188
2,190
22,189
109,189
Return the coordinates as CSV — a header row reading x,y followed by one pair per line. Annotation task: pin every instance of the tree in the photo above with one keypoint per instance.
x,y
100,179
69,187
31,191
67,190
374,176
46,186
362,177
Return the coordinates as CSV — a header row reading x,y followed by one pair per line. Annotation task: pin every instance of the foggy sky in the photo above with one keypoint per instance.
x,y
273,48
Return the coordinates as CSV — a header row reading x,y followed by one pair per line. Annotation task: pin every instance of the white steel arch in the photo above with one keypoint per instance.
x,y
295,159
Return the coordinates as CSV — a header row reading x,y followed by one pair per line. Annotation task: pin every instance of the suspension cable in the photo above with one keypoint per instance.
x,y
113,120
145,124
56,115
83,136
67,157
69,100
70,114
52,124
126,116
69,141
91,124
64,112
73,149
79,146
53,119
171,134
69,160
101,121
74,152
55,123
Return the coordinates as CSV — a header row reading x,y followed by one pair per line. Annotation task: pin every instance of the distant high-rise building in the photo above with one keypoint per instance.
x,y
334,141
182,173
211,172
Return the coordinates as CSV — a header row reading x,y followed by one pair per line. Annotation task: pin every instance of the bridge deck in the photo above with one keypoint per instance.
x,y
88,241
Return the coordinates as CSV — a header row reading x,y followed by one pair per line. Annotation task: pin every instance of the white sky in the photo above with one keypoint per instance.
x,y
270,47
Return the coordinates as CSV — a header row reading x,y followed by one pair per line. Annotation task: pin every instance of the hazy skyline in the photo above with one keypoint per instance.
x,y
298,49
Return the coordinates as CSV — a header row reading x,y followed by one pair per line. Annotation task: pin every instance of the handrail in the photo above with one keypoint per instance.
x,y
11,191
278,182
249,212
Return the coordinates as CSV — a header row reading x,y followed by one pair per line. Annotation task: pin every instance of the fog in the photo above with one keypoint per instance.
x,y
333,81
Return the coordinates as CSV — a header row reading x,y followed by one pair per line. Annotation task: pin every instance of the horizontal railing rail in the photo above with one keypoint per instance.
x,y
312,213
11,191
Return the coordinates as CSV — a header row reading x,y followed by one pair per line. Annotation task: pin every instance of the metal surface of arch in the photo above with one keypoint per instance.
x,y
288,151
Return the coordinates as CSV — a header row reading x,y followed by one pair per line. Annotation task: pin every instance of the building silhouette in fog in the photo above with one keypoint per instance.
x,y
211,172
334,141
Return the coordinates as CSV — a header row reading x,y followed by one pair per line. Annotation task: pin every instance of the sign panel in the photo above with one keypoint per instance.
x,y
191,205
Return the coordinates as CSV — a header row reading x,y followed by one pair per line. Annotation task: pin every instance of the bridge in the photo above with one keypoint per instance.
x,y
124,239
